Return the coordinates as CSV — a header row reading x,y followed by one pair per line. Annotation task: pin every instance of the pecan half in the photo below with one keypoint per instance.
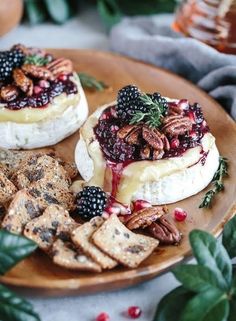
x,y
37,71
176,125
175,110
9,92
145,217
60,66
145,152
157,154
23,82
153,137
165,231
124,131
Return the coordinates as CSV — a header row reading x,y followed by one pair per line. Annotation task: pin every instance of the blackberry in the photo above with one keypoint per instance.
x,y
90,202
161,100
8,61
125,98
16,57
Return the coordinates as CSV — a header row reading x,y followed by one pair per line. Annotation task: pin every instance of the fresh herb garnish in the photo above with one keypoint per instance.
x,y
153,117
89,82
208,288
217,182
36,60
14,248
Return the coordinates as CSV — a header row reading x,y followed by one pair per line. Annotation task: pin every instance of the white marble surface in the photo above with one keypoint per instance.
x,y
87,31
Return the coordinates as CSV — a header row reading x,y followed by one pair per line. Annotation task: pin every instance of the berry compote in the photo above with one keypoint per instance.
x,y
45,96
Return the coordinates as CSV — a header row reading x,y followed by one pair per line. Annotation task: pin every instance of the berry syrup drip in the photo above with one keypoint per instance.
x,y
117,170
44,95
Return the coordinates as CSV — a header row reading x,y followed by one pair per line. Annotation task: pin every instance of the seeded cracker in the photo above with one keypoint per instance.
x,y
22,210
126,247
81,238
65,254
43,230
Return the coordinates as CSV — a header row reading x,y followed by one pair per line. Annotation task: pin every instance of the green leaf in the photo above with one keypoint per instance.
x,y
14,308
211,305
36,60
58,10
172,305
109,12
210,252
88,81
35,11
232,313
229,237
197,278
13,248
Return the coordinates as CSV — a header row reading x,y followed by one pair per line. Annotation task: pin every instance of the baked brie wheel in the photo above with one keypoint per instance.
x,y
133,156
41,99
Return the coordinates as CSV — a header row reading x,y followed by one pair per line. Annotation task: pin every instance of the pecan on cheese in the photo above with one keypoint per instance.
x,y
23,82
145,217
60,66
175,110
145,152
37,72
155,139
176,125
9,92
165,231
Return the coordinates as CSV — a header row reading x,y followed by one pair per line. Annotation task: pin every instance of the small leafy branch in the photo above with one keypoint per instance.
x,y
208,290
13,249
36,60
217,183
153,117
89,82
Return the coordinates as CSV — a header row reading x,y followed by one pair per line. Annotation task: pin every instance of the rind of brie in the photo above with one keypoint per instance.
x,y
162,181
46,132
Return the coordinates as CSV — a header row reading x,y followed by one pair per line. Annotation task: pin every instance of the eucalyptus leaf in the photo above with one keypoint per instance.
x,y
229,237
15,308
197,278
13,248
210,252
211,305
109,12
58,10
172,305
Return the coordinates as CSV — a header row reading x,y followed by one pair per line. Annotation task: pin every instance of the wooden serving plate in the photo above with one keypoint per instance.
x,y
40,274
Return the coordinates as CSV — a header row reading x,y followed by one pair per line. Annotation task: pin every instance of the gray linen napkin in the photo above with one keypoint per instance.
x,y
151,39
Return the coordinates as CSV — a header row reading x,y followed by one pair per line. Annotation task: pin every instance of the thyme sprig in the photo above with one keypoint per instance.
x,y
153,117
91,82
36,60
217,182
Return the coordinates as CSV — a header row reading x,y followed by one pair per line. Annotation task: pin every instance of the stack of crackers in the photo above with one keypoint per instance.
x,y
35,201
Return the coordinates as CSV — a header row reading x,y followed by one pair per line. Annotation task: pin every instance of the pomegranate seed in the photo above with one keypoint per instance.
x,y
180,214
114,128
134,312
44,84
174,143
112,210
103,317
140,204
183,104
62,77
193,134
37,90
